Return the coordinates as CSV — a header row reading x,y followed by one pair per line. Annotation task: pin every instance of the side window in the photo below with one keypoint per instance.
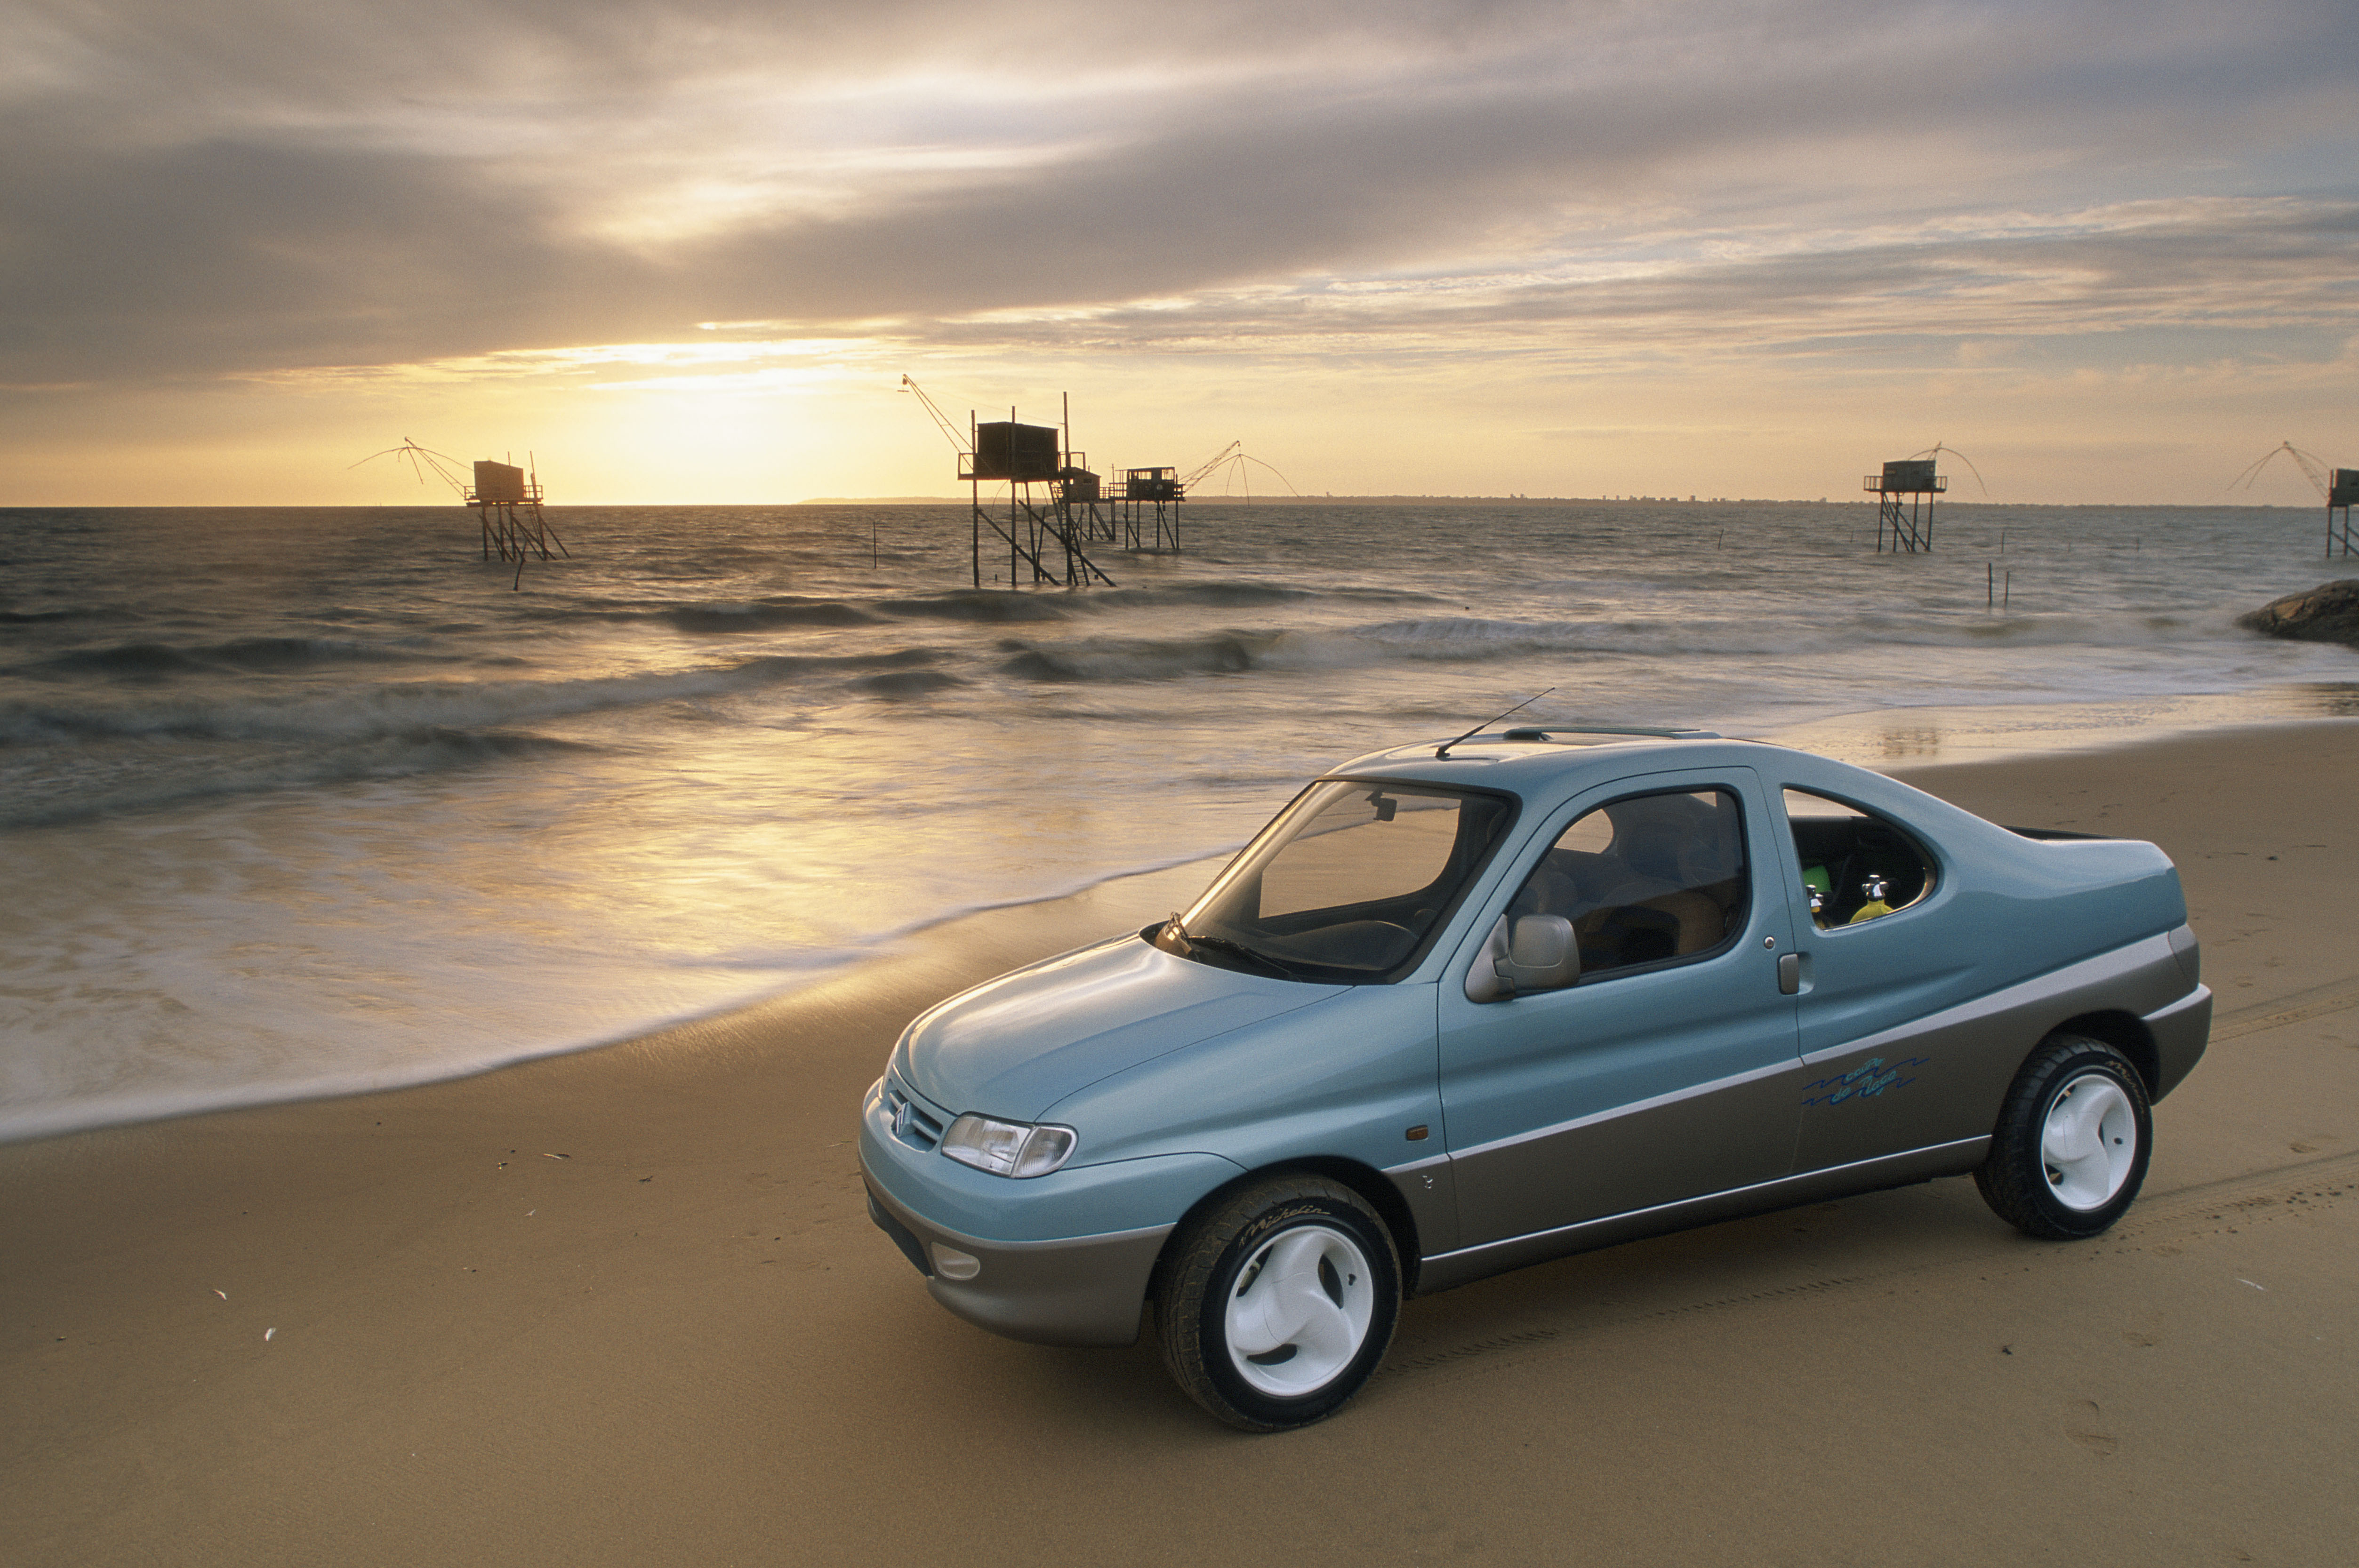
x,y
1643,880
1856,867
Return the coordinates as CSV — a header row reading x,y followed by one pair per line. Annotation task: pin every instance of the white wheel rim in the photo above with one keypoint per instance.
x,y
1299,1311
2089,1141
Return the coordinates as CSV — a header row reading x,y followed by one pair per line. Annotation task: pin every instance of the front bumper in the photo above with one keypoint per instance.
x,y
1068,1256
1087,1290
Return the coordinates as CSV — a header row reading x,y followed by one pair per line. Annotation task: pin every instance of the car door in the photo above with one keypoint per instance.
x,y
1876,957
1655,1076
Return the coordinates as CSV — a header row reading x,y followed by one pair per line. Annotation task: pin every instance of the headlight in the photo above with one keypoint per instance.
x,y
1007,1147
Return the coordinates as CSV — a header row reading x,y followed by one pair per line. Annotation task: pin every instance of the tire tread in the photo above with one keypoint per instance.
x,y
1195,1258
2010,1173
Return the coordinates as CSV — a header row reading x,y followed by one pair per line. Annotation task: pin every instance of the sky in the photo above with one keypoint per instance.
x,y
685,253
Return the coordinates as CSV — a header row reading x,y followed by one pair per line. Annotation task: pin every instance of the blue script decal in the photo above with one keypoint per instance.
x,y
1869,1079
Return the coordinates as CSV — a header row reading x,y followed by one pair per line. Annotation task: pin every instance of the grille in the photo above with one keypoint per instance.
x,y
912,1123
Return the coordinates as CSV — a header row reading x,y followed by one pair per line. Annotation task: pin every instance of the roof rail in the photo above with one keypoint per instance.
x,y
1544,732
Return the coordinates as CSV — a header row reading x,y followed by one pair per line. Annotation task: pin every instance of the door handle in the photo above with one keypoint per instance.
x,y
1790,974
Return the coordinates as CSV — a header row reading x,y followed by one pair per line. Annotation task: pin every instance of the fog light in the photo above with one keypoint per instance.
x,y
952,1264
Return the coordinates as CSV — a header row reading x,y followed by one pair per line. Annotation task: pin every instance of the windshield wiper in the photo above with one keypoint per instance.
x,y
1235,949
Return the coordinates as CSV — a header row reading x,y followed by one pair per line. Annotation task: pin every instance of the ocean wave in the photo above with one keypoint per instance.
x,y
1247,594
243,654
128,659
1456,639
984,605
1003,606
551,1022
38,798
907,683
79,613
1699,643
973,606
1136,661
766,615
408,707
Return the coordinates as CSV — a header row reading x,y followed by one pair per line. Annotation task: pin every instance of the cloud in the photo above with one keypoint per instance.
x,y
228,255
214,187
2272,276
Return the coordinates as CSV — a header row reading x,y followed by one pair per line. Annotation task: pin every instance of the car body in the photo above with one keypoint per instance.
x,y
1655,980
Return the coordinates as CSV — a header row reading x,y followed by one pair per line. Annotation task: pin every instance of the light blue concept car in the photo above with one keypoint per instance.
x,y
1462,1008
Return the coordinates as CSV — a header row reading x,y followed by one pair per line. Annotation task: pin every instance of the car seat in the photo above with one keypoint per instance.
x,y
1673,861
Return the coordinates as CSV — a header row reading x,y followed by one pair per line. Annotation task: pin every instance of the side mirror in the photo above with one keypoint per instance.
x,y
1540,954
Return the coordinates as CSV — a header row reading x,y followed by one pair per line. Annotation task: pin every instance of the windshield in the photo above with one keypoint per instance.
x,y
1349,883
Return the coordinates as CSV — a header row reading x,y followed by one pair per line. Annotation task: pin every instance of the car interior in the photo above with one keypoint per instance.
x,y
1355,891
1855,867
1642,880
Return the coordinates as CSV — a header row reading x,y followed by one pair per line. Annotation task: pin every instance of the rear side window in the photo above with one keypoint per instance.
x,y
1647,879
1856,866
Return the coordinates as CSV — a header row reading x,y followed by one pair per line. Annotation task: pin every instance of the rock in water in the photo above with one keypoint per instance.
x,y
2327,613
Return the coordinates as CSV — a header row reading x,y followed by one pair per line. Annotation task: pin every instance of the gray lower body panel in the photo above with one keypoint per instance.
x,y
1084,1289
2181,1033
1470,1263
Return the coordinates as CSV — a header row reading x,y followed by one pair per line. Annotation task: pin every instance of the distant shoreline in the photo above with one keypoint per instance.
x,y
1947,501
1948,504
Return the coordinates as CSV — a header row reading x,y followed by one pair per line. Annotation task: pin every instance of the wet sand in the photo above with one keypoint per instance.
x,y
401,1329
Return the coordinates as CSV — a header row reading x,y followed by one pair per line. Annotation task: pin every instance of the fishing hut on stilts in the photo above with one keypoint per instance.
x,y
1046,531
1904,495
2339,497
1149,509
507,502
1143,519
1043,536
1151,498
1096,517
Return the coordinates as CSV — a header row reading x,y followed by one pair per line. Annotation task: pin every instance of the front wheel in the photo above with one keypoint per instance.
x,y
1278,1302
2071,1149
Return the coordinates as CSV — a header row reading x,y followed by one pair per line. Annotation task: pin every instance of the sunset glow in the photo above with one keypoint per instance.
x,y
685,253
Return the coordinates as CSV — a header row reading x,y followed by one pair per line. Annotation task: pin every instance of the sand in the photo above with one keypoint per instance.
x,y
402,1329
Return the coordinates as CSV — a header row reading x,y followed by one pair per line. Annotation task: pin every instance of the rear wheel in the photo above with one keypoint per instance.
x,y
1278,1303
2072,1141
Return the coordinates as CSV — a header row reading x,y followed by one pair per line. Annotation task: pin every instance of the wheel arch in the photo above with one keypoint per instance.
x,y
1370,1184
2125,1032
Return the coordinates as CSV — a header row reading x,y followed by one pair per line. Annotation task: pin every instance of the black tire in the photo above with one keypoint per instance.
x,y
2068,1199
1324,1258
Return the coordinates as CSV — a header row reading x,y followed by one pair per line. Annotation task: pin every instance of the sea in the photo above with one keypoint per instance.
x,y
298,802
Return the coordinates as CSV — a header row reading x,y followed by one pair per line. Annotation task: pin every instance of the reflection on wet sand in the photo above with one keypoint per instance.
x,y
1921,736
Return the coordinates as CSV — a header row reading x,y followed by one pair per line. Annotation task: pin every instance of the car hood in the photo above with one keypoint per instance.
x,y
1018,1044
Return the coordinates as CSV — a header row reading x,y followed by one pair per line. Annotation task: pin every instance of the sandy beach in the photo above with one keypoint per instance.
x,y
627,1307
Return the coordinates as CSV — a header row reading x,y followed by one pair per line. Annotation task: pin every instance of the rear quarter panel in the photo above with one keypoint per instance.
x,y
1913,1025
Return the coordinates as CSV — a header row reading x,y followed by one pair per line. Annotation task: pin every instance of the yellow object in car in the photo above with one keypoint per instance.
x,y
1876,888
